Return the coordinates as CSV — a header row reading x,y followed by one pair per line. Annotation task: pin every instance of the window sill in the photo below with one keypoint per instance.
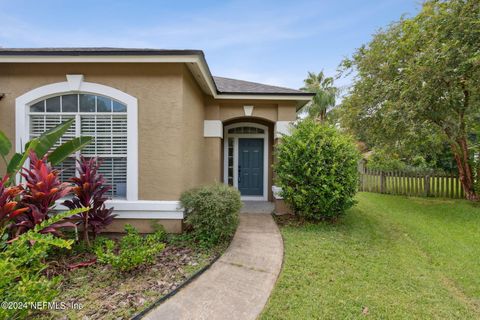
x,y
141,209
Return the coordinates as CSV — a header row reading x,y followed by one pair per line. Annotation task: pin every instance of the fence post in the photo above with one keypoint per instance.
x,y
360,179
427,185
452,191
382,182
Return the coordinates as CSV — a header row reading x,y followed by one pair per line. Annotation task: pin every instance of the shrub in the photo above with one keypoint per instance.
x,y
134,250
21,266
211,213
43,188
317,171
89,191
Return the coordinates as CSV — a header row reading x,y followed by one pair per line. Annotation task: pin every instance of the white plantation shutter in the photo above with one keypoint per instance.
x,y
109,134
41,123
67,169
99,117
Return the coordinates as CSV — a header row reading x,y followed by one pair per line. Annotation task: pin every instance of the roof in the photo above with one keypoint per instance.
x,y
219,87
234,86
96,51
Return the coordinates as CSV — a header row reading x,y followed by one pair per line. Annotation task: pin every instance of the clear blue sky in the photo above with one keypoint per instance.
x,y
273,42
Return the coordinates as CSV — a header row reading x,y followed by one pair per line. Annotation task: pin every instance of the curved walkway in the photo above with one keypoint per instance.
x,y
237,285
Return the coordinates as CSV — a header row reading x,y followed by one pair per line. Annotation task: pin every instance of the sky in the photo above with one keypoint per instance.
x,y
272,42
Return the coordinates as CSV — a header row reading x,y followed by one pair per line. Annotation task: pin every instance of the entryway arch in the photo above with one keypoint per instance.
x,y
246,158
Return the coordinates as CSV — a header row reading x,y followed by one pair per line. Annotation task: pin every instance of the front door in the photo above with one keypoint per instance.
x,y
250,167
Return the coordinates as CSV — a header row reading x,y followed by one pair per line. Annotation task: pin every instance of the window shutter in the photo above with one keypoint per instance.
x,y
109,134
103,119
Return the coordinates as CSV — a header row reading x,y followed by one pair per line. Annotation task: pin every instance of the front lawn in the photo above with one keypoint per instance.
x,y
390,257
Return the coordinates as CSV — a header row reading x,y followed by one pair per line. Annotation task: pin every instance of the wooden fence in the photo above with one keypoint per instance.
x,y
411,184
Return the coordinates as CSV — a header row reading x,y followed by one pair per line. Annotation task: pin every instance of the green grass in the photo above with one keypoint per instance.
x,y
402,258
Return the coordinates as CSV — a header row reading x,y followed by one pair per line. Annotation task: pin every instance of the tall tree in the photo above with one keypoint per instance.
x,y
421,77
325,95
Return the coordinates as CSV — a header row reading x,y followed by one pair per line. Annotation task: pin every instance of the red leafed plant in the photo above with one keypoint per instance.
x,y
9,206
89,191
42,189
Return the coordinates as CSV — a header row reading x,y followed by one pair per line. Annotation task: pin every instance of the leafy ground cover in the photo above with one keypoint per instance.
x,y
105,293
390,257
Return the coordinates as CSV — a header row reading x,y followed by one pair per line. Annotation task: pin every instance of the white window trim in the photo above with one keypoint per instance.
x,y
236,136
22,125
141,209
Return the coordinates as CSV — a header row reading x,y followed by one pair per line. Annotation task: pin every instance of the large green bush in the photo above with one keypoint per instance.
x,y
317,170
211,213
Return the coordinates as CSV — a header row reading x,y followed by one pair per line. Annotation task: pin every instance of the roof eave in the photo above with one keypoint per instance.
x,y
98,52
306,95
190,57
300,100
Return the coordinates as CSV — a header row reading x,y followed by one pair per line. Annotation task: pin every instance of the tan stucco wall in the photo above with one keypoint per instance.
x,y
235,110
213,160
173,154
286,112
158,88
193,142
271,110
201,156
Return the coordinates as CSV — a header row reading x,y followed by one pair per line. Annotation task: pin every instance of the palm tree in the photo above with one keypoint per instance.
x,y
325,95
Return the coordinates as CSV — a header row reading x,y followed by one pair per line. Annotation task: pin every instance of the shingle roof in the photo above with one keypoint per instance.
x,y
234,86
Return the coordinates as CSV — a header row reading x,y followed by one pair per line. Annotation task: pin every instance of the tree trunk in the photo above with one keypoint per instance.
x,y
320,118
460,152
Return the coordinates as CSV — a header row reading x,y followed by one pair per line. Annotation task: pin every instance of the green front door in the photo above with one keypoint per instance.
x,y
250,167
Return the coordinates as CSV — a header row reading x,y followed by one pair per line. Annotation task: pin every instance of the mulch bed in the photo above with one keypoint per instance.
x,y
108,294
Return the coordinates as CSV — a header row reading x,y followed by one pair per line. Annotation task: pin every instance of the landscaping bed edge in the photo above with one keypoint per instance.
x,y
160,300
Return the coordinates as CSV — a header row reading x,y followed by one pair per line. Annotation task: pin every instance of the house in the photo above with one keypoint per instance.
x,y
161,122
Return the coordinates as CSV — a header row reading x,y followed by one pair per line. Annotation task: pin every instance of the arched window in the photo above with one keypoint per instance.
x,y
98,116
246,130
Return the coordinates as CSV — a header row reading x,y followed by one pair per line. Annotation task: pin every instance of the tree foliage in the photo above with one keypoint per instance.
x,y
325,95
417,83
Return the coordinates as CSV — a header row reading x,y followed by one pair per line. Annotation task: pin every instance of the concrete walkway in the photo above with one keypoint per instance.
x,y
238,285
257,207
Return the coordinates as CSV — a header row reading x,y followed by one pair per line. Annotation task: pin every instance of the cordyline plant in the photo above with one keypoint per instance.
x,y
9,208
89,191
42,189
43,145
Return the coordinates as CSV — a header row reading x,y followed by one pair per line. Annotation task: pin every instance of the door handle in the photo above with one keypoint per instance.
x,y
239,173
